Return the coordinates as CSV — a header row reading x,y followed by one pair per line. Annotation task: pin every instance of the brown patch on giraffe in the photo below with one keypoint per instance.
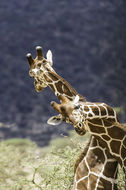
x,y
47,67
94,164
111,120
95,110
47,78
109,156
96,129
96,121
82,170
90,115
107,184
52,87
93,181
67,91
101,141
110,111
53,76
105,137
107,123
110,169
124,142
86,108
123,152
116,133
115,146
58,86
82,184
102,110
94,142
95,159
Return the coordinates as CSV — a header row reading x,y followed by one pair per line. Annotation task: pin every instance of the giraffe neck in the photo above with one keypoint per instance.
x,y
111,136
59,85
97,170
98,110
102,122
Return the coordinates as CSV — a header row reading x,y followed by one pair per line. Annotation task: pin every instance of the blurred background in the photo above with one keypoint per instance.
x,y
88,41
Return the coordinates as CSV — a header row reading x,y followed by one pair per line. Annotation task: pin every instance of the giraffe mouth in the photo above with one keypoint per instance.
x,y
80,130
39,88
39,85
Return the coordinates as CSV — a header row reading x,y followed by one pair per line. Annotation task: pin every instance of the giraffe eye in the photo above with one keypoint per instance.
x,y
77,107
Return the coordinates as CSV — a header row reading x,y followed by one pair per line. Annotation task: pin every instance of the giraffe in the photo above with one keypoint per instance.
x,y
100,120
44,75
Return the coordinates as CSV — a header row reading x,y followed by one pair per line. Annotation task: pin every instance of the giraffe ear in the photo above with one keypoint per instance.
x,y
49,57
55,120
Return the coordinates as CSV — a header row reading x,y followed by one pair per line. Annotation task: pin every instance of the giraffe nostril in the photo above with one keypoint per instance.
x,y
80,125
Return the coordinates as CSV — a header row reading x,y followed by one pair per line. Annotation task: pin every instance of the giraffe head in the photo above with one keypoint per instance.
x,y
69,112
38,67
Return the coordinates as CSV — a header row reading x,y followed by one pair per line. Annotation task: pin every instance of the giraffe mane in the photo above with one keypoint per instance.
x,y
123,127
81,98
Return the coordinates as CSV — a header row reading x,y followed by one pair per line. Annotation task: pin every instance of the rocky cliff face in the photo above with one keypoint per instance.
x,y
88,42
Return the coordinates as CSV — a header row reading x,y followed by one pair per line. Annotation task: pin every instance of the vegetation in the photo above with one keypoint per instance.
x,y
24,165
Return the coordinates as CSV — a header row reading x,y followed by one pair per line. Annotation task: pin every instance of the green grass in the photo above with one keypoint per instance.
x,y
25,166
